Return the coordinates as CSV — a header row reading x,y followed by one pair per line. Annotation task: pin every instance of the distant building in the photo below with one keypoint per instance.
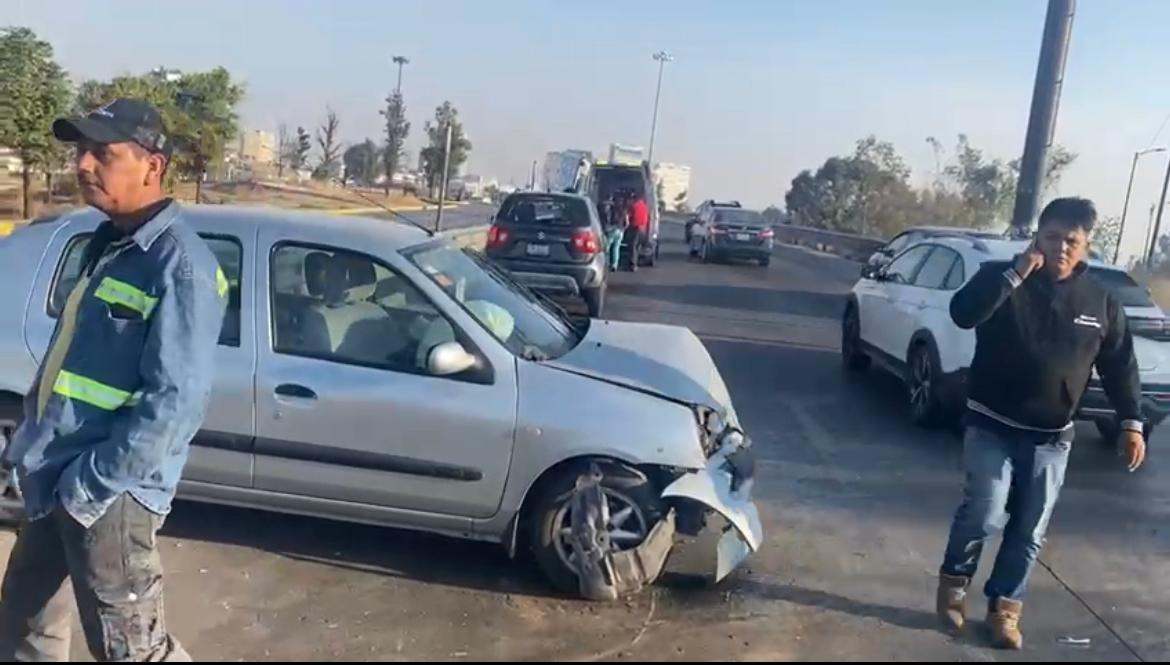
x,y
10,162
674,183
258,147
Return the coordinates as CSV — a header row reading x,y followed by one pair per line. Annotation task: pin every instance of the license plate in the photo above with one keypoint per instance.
x,y
743,237
538,250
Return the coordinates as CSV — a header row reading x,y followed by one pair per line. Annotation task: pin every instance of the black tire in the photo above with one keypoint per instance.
x,y
924,386
594,300
765,262
852,356
547,517
652,260
705,253
11,414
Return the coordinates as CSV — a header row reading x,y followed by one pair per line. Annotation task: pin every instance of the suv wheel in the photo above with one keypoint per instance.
x,y
11,503
851,354
923,382
594,300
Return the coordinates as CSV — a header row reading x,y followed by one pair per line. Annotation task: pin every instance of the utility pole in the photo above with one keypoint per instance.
x,y
400,60
532,180
443,187
1128,191
662,57
1042,120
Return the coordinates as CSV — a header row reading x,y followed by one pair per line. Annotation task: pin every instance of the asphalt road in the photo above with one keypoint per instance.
x,y
855,502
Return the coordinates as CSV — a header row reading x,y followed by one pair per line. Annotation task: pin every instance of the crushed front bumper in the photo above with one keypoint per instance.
x,y
723,486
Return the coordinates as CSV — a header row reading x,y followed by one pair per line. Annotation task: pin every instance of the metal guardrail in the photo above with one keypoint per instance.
x,y
845,245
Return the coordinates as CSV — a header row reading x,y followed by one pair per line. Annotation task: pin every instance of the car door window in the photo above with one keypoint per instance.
x,y
228,252
346,307
957,276
936,268
902,269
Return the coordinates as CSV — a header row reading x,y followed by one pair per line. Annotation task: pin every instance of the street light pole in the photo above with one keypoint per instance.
x,y
443,187
1158,219
1128,191
662,57
400,60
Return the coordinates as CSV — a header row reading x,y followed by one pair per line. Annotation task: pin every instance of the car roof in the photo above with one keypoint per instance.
x,y
984,250
547,195
394,235
957,230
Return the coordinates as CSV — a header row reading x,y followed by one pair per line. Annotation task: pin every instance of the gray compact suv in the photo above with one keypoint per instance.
x,y
368,371
553,243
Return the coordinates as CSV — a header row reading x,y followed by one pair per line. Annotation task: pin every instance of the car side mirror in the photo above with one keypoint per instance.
x,y
449,358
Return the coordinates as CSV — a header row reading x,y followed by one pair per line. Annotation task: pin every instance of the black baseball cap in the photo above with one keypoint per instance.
x,y
120,121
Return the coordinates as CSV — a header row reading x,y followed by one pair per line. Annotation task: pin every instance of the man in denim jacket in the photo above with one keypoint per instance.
x,y
109,419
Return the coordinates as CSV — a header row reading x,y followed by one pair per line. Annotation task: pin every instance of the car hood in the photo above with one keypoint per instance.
x,y
668,361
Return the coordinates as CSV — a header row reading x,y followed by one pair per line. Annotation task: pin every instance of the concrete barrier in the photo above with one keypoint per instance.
x,y
472,237
846,245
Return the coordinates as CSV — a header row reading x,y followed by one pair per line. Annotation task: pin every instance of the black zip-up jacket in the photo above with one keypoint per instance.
x,y
1037,341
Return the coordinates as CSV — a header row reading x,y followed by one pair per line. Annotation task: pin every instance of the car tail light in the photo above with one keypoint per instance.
x,y
496,237
767,233
585,242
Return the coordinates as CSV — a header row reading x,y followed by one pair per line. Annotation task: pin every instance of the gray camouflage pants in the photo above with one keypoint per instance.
x,y
115,574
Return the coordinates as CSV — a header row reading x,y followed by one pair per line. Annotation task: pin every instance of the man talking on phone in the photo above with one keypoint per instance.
x,y
1041,325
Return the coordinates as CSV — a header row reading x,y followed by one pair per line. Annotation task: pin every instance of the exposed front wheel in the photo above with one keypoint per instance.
x,y
632,510
852,356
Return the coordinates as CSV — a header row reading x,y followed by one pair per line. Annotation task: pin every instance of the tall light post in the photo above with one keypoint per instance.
x,y
400,60
662,57
1128,191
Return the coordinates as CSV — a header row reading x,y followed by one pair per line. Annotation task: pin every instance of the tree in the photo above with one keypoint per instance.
x,y
299,151
1106,237
432,155
33,92
361,163
397,129
330,147
198,110
284,147
773,216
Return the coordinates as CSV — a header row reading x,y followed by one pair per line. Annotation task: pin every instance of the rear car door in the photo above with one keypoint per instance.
x,y
346,412
221,451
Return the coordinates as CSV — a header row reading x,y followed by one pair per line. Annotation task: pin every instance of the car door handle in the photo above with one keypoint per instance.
x,y
295,390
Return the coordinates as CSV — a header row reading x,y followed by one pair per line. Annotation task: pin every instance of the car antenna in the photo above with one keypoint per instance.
x,y
429,231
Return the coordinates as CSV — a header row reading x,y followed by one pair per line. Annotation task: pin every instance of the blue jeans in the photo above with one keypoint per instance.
x,y
613,247
1013,481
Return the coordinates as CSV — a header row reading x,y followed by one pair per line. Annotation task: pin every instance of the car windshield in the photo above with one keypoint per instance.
x,y
552,210
1129,292
741,217
535,329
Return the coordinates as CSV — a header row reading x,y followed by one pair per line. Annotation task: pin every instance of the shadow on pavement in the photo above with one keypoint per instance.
x,y
395,553
746,298
912,619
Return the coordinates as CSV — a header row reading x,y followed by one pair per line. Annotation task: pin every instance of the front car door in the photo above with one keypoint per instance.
x,y
220,452
346,411
884,316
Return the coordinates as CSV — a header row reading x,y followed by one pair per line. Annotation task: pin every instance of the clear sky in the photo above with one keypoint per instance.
x,y
758,90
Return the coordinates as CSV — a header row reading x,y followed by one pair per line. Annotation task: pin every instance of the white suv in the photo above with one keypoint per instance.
x,y
900,318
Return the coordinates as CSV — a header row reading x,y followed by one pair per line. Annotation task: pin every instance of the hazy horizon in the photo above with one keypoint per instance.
x,y
758,91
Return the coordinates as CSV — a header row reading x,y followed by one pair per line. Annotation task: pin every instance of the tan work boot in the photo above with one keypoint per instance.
x,y
1004,623
952,601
